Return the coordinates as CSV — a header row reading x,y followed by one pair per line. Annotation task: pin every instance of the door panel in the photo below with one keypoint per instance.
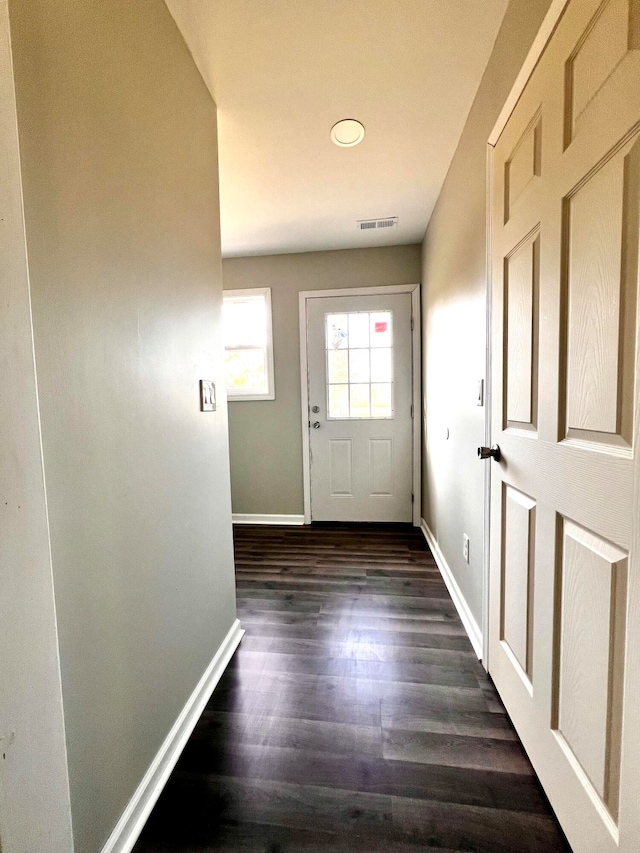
x,y
518,576
341,466
522,270
591,608
603,45
381,466
523,166
601,245
565,574
360,383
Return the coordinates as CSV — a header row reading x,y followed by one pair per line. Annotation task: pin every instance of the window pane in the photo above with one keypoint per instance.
x,y
244,321
381,365
358,365
381,329
246,329
338,401
338,365
358,330
246,371
381,400
359,401
359,352
337,331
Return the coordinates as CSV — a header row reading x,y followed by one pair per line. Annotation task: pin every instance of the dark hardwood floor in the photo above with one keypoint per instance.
x,y
354,716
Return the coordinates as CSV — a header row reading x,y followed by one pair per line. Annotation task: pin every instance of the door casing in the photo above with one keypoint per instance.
x,y
304,297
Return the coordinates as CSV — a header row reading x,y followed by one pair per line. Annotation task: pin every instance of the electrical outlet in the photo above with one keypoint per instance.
x,y
465,547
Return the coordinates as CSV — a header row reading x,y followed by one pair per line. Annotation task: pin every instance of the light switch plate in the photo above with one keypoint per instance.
x,y
207,395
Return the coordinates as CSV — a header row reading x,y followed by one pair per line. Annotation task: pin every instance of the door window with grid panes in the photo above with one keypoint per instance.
x,y
359,347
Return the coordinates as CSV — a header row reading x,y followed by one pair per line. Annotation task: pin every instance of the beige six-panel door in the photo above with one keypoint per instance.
x,y
565,572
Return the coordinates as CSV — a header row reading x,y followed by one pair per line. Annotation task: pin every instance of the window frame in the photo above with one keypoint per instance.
x,y
238,396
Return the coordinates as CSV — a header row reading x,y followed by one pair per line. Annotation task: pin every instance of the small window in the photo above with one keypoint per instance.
x,y
248,344
359,349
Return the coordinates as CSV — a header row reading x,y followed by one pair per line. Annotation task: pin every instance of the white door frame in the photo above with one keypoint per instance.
x,y
547,28
35,809
414,290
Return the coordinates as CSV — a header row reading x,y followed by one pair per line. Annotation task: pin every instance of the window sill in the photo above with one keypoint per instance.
x,y
248,398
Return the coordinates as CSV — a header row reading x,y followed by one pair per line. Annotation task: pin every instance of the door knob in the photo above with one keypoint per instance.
x,y
489,452
316,424
315,409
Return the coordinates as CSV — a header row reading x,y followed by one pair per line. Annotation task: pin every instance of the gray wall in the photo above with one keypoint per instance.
x,y
33,764
119,155
265,437
454,316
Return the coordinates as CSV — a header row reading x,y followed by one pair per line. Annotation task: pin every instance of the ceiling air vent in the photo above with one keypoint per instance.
x,y
367,224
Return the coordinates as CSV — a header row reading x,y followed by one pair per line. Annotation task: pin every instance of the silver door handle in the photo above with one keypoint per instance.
x,y
316,424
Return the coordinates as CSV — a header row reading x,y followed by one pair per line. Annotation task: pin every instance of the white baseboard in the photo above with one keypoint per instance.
x,y
470,625
244,518
130,825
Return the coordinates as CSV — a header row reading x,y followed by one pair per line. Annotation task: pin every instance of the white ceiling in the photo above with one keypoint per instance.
x,y
283,72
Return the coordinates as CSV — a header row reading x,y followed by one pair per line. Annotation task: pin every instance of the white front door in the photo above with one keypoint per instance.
x,y
360,407
564,639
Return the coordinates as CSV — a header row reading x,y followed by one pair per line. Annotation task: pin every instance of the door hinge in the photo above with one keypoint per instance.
x,y
412,324
412,497
412,410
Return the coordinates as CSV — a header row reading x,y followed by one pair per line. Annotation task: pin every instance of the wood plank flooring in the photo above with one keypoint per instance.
x,y
354,716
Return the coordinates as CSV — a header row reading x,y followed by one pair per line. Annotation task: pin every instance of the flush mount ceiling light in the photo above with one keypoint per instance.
x,y
347,133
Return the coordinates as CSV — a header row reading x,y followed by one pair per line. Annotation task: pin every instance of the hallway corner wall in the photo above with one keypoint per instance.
x,y
118,143
454,319
33,758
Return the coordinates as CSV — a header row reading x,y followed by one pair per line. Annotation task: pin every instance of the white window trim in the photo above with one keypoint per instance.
x,y
238,396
